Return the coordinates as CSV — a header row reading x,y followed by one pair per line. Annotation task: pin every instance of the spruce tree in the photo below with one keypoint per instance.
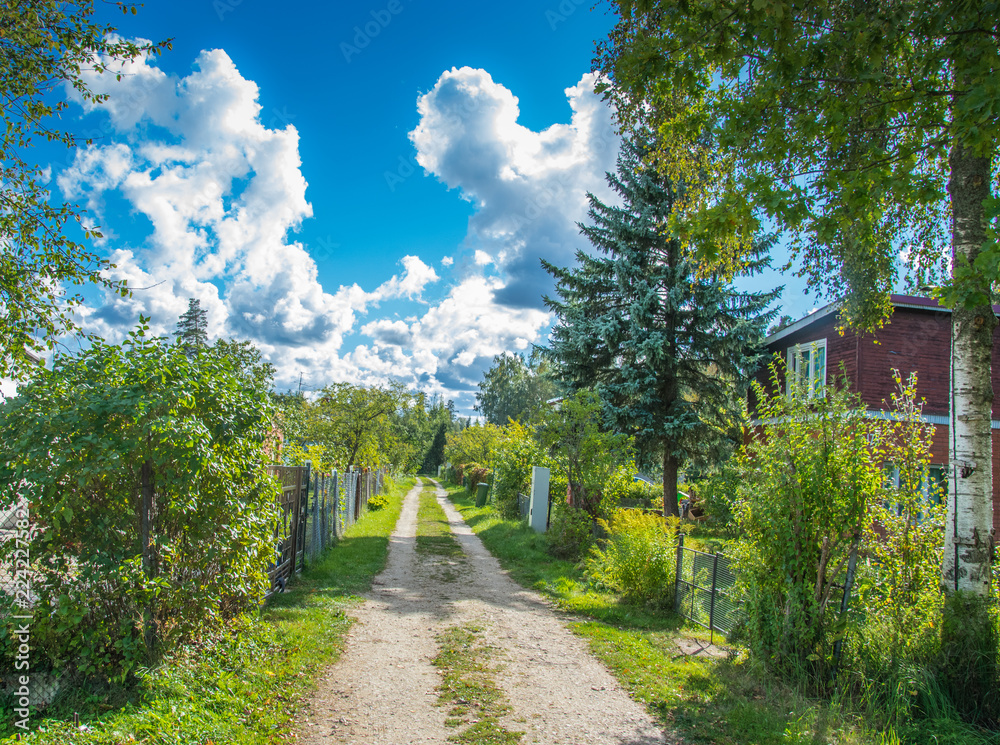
x,y
669,351
192,328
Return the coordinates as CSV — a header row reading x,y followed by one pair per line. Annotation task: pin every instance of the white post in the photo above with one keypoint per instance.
x,y
538,511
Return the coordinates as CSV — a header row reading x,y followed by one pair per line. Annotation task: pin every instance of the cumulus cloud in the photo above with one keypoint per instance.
x,y
224,194
529,187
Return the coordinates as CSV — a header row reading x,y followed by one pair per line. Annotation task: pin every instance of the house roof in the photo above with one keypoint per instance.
x,y
898,301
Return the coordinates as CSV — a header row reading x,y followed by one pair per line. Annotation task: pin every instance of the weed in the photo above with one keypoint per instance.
x,y
468,689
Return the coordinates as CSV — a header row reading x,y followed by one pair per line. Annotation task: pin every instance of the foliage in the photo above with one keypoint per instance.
x,y
669,349
715,495
638,559
192,327
351,425
622,485
583,450
816,121
516,450
46,45
84,444
866,130
476,475
898,600
514,389
378,501
473,444
571,531
224,689
806,482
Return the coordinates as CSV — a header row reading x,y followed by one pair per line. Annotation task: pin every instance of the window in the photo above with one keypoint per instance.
x,y
807,368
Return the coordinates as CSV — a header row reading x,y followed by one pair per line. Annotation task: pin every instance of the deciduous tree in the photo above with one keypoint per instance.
x,y
45,45
868,129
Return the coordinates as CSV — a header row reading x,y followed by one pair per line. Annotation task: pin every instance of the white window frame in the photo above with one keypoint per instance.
x,y
814,380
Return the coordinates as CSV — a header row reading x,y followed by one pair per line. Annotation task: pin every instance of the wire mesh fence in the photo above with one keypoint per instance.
x,y
703,590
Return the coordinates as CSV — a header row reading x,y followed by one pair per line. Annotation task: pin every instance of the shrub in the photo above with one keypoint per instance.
x,y
87,445
804,488
715,495
587,453
638,559
571,532
378,501
516,450
476,475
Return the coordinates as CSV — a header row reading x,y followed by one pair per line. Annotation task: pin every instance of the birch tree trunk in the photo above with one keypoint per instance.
x,y
969,528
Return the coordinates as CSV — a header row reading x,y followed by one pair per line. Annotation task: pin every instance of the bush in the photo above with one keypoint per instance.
x,y
378,501
516,450
715,495
83,443
476,475
571,532
638,559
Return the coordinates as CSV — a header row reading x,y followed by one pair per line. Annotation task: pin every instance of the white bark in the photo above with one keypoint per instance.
x,y
967,561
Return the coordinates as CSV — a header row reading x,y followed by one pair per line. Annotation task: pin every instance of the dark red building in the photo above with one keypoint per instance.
x,y
916,339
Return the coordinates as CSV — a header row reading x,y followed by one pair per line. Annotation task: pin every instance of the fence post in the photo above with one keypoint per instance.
x,y
711,603
335,489
680,568
844,603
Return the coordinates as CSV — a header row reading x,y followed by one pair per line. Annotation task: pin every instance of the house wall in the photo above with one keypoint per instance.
x,y
915,340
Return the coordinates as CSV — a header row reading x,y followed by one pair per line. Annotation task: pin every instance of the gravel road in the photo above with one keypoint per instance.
x,y
382,691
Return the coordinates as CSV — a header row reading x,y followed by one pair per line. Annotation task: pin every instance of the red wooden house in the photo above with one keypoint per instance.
x,y
916,339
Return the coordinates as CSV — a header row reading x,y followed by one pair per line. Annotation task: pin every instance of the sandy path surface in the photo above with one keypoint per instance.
x,y
382,691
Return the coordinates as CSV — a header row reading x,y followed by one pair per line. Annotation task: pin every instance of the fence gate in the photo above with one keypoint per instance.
x,y
289,533
703,589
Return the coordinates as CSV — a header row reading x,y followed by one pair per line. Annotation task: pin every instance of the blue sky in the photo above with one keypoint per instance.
x,y
362,189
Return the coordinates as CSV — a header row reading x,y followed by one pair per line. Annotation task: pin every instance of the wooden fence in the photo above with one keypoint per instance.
x,y
316,507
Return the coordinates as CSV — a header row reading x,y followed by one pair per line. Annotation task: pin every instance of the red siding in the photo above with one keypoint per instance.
x,y
915,340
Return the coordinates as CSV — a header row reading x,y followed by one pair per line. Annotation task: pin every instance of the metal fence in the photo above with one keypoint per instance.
x,y
703,589
704,594
523,505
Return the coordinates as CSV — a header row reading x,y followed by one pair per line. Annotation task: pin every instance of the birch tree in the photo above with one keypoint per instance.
x,y
869,130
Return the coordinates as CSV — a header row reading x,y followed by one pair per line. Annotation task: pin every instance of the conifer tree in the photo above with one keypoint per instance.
x,y
669,351
192,328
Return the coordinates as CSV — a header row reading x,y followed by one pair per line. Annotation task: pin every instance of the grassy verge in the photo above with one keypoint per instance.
x,y
705,700
434,535
469,690
246,686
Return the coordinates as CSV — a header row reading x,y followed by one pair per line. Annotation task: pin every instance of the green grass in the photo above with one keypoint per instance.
x,y
468,689
245,687
434,534
705,700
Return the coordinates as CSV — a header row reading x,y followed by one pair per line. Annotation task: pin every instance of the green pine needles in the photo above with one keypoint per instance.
x,y
669,350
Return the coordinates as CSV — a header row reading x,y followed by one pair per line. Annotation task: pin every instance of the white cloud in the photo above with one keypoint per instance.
x,y
529,187
416,275
224,193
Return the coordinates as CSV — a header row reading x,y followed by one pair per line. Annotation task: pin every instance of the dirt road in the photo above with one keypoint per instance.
x,y
384,688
